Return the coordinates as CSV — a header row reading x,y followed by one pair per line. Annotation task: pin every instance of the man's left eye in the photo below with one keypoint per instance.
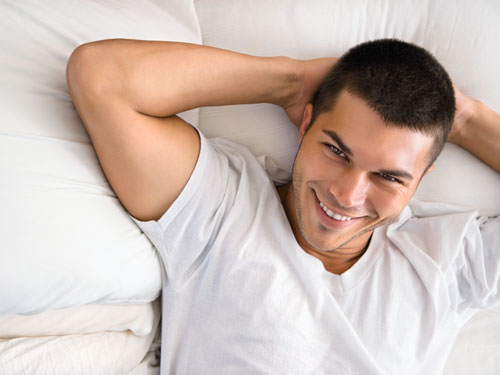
x,y
390,178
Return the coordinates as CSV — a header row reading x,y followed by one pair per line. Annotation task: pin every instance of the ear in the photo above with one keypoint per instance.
x,y
306,121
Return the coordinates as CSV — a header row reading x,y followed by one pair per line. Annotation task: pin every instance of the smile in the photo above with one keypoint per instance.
x,y
334,215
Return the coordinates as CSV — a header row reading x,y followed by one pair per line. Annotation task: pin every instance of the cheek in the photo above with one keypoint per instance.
x,y
390,203
313,166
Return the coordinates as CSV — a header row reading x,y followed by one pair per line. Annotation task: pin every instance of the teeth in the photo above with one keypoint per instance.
x,y
333,215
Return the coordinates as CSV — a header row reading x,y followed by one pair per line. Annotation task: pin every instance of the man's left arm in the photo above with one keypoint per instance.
x,y
477,129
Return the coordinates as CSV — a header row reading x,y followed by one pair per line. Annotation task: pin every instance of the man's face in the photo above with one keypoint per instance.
x,y
352,174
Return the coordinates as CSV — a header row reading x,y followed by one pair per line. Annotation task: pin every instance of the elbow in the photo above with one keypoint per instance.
x,y
85,70
79,65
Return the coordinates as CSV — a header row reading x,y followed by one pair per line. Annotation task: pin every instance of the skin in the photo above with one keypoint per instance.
x,y
358,166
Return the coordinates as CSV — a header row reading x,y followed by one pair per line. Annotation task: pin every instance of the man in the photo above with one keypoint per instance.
x,y
331,273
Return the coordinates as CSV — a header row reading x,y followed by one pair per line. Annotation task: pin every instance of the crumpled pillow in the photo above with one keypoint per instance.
x,y
65,239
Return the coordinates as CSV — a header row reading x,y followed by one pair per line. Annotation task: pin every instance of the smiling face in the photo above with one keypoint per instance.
x,y
352,173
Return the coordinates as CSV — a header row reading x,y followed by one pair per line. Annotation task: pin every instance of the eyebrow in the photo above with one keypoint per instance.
x,y
392,172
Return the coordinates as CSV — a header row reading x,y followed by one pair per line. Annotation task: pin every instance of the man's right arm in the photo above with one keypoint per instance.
x,y
128,93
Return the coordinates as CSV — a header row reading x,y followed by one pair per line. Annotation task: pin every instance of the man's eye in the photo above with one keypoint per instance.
x,y
336,150
390,178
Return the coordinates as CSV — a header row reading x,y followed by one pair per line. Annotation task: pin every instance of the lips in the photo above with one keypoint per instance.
x,y
334,215
333,219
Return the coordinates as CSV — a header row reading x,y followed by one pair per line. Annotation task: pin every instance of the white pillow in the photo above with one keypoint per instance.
x,y
461,34
65,239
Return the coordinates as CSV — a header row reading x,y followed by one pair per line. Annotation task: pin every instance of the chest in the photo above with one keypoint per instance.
x,y
266,303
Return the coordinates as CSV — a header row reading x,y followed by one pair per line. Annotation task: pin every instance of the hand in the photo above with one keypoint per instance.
x,y
311,74
476,128
464,110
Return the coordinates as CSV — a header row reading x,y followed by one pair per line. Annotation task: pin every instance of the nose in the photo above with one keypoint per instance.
x,y
350,188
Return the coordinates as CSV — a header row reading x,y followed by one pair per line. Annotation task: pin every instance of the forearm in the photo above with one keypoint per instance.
x,y
164,78
480,134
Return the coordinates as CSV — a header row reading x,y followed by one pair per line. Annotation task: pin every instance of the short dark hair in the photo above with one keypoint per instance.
x,y
400,81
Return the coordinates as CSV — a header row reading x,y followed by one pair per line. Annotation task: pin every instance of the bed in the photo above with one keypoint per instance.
x,y
79,281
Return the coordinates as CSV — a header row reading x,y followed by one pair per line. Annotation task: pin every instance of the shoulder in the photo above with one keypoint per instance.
x,y
438,230
242,169
225,173
453,250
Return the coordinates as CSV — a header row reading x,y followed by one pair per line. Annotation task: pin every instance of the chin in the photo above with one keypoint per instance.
x,y
327,242
323,243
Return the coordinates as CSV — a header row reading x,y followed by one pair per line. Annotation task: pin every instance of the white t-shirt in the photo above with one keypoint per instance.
x,y
241,297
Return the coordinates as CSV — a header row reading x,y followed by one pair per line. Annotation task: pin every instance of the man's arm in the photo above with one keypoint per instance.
x,y
477,129
128,92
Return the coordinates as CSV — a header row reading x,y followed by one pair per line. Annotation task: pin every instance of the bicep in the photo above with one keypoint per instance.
x,y
147,160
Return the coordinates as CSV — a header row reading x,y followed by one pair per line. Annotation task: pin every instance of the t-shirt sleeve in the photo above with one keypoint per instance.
x,y
477,265
184,233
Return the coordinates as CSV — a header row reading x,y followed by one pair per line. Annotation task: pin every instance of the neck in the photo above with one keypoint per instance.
x,y
336,261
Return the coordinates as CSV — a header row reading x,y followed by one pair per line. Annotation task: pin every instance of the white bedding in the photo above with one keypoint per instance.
x,y
70,256
81,340
139,319
65,239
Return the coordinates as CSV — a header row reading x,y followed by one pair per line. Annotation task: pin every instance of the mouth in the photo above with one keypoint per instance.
x,y
334,215
331,218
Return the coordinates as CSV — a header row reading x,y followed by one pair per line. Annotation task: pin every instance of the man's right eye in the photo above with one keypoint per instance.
x,y
337,151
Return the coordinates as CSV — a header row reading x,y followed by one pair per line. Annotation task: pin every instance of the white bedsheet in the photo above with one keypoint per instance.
x,y
81,340
139,319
